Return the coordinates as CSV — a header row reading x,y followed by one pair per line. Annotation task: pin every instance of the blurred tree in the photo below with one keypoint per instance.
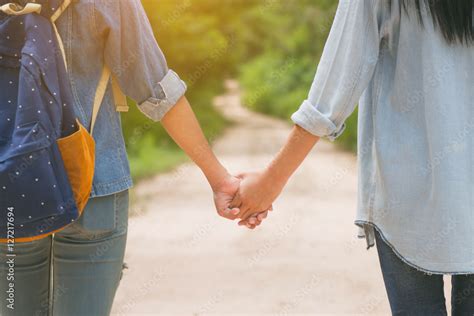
x,y
199,40
272,46
282,51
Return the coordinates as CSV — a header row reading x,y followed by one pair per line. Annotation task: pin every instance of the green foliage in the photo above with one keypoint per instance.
x,y
149,159
275,85
150,148
272,46
197,39
287,56
283,54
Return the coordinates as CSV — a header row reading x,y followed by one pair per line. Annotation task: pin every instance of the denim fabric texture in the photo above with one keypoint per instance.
x,y
119,34
85,262
415,133
413,292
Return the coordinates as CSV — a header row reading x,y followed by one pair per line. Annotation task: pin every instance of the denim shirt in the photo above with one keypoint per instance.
x,y
415,141
119,34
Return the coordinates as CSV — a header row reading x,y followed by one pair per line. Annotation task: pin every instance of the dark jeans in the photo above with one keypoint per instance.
x,y
412,292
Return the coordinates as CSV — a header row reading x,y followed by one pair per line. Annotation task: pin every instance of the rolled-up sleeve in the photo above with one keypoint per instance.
x,y
137,62
347,65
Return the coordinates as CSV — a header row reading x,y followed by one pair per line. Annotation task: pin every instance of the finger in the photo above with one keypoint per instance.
x,y
252,220
230,213
247,212
235,211
259,218
262,216
246,223
236,201
244,211
242,175
249,226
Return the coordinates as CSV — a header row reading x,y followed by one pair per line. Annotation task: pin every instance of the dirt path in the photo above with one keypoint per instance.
x,y
305,260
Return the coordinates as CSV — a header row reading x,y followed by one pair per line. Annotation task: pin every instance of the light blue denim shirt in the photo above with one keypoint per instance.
x,y
118,33
415,132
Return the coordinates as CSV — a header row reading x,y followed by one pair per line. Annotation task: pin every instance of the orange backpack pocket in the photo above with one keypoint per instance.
x,y
78,153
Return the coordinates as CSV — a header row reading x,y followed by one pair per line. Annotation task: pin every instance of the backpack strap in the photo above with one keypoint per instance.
x,y
16,9
54,17
119,97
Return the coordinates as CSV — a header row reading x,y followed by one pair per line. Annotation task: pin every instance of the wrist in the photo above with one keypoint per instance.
x,y
274,177
217,176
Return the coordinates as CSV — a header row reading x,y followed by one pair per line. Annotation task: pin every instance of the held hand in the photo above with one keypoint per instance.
x,y
255,197
255,220
224,193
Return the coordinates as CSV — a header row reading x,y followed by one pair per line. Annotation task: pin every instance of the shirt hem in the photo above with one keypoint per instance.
x,y
363,224
108,188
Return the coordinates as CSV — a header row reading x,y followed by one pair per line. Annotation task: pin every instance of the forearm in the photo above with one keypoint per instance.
x,y
290,157
258,191
181,124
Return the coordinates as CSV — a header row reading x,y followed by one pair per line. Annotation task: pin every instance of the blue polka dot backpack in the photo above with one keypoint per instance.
x,y
46,154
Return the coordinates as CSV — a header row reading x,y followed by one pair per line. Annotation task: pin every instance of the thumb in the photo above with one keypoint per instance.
x,y
236,201
230,213
242,175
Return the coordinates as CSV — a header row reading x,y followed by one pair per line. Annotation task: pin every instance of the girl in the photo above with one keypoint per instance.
x,y
77,271
410,63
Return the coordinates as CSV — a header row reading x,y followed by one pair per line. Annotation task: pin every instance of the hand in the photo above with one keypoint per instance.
x,y
255,220
255,197
224,193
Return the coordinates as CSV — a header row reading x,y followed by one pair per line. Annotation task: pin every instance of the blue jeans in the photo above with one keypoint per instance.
x,y
76,272
412,292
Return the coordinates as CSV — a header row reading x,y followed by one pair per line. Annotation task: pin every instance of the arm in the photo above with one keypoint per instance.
x,y
290,157
345,70
181,124
137,62
259,190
